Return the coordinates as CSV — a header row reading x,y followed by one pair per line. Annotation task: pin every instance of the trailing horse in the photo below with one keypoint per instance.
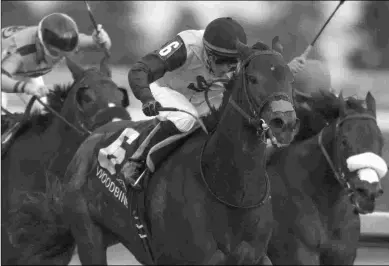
x,y
206,203
45,143
323,181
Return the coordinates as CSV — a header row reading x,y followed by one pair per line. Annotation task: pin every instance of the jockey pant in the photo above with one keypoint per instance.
x,y
195,105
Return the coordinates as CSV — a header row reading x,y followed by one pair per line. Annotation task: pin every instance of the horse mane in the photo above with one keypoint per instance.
x,y
38,122
328,105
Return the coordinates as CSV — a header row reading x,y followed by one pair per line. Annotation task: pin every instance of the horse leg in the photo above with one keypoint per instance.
x,y
218,258
248,254
87,233
339,253
265,260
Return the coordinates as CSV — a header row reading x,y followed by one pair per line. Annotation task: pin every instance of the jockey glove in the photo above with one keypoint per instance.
x,y
37,90
151,108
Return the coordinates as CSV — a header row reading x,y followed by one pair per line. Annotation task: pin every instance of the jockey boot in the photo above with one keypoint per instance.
x,y
134,167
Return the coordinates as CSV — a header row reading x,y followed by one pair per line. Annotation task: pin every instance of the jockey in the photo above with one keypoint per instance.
x,y
312,77
161,78
29,52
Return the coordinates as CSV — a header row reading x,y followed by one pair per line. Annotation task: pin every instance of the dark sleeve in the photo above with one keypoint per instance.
x,y
153,66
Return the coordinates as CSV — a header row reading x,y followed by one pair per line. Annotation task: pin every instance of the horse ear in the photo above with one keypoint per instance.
x,y
276,45
76,70
342,105
104,67
243,50
370,103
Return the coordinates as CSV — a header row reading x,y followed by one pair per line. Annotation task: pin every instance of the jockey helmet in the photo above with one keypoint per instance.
x,y
313,77
58,31
220,38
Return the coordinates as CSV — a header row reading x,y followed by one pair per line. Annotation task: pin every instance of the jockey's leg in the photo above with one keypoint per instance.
x,y
171,123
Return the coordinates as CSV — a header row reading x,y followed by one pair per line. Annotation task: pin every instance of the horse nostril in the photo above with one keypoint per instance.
x,y
277,123
380,192
361,191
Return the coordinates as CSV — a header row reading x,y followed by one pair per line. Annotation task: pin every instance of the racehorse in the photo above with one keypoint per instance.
x,y
207,203
324,180
45,144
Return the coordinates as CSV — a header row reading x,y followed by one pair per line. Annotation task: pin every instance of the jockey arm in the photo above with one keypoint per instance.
x,y
154,66
9,66
94,42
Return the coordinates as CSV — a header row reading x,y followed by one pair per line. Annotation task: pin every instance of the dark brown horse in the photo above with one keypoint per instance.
x,y
207,203
44,146
324,180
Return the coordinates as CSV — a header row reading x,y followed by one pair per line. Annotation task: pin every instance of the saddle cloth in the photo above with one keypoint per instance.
x,y
130,142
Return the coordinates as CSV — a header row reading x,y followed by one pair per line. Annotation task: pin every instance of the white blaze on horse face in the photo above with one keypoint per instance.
x,y
111,105
369,175
370,166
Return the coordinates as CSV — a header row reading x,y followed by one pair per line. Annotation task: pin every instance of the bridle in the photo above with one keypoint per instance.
x,y
254,120
336,167
253,116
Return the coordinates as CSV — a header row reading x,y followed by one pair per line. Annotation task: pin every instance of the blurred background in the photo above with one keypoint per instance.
x,y
355,43
356,39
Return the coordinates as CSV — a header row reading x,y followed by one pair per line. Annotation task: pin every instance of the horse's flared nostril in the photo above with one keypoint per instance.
x,y
380,192
277,123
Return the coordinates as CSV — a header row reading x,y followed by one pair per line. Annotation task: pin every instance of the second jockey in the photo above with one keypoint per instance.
x,y
30,52
161,78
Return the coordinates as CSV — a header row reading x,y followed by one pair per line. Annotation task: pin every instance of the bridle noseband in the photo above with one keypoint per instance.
x,y
336,168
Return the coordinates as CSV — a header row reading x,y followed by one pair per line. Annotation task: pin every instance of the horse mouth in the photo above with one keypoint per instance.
x,y
362,204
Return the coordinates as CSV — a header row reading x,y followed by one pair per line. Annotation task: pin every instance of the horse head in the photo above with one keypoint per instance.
x,y
94,99
265,95
352,144
358,145
315,111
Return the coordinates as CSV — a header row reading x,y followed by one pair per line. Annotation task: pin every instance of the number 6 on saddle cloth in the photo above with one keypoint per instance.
x,y
129,143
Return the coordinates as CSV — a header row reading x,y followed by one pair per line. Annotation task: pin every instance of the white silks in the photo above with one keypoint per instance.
x,y
370,166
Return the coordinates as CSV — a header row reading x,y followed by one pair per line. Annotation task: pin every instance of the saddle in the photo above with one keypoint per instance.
x,y
11,123
130,142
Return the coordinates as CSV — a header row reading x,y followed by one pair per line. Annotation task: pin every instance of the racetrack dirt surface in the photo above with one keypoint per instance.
x,y
119,255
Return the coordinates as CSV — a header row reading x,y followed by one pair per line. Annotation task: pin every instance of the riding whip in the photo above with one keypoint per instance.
x,y
107,53
306,52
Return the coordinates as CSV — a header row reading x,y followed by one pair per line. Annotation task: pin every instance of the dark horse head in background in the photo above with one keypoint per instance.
x,y
45,144
354,138
324,180
207,203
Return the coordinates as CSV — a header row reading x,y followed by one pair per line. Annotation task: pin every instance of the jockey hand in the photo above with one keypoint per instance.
x,y
37,90
101,37
150,108
297,64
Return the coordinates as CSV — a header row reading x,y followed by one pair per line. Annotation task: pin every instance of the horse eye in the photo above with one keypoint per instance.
x,y
252,79
344,142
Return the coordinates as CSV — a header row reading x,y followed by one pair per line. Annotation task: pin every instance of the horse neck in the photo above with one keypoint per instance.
x,y
233,159
63,141
319,181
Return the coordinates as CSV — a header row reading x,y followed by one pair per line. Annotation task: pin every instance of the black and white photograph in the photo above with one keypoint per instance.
x,y
194,132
